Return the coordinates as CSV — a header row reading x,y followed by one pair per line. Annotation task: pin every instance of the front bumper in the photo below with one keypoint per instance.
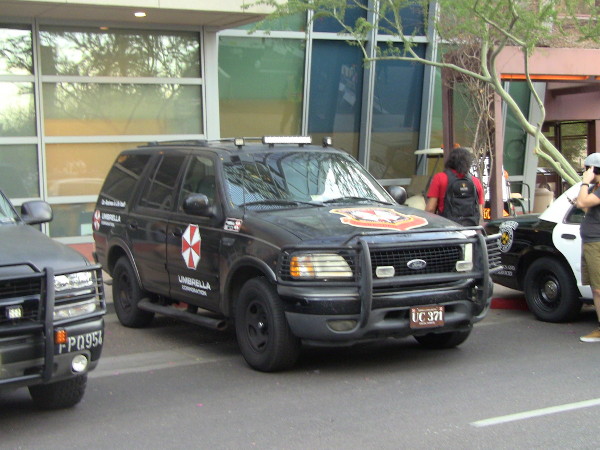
x,y
314,312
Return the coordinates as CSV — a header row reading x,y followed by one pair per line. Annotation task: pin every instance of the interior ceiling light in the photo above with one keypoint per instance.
x,y
139,14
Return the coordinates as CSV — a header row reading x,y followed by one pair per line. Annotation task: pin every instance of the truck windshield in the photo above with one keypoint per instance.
x,y
7,213
303,178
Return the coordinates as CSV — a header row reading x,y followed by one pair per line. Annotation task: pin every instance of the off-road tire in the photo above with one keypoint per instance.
x,y
126,295
264,337
61,394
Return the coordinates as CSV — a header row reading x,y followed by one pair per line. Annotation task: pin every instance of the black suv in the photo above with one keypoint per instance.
x,y
51,308
294,242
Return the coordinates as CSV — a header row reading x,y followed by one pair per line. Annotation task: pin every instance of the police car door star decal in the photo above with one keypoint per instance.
x,y
190,246
381,218
507,235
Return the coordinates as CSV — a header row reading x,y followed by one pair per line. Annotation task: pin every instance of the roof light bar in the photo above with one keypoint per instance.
x,y
300,140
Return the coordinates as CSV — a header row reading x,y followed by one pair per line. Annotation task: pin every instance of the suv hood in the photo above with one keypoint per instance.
x,y
20,243
343,221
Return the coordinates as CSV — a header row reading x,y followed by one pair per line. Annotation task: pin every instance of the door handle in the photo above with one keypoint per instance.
x,y
177,232
568,236
132,224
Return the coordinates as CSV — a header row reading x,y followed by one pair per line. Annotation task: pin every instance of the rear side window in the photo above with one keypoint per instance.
x,y
122,178
159,192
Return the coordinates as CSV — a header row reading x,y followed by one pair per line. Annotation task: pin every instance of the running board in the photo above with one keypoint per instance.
x,y
197,319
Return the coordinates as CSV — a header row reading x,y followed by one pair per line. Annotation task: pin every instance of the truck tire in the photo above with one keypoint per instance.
x,y
550,291
127,294
443,340
264,337
61,394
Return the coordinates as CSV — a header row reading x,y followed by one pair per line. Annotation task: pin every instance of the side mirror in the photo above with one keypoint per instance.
x,y
35,212
398,193
198,205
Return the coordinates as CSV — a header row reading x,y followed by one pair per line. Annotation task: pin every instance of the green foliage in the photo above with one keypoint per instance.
x,y
491,25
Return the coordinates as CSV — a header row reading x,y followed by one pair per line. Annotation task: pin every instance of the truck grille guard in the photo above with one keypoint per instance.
x,y
37,287
367,284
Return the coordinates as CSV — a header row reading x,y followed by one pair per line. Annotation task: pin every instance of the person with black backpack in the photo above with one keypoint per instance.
x,y
454,193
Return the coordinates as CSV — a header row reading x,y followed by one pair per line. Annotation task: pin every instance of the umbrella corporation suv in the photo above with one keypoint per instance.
x,y
51,308
291,242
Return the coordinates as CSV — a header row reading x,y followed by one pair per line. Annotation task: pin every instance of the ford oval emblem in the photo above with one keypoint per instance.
x,y
416,264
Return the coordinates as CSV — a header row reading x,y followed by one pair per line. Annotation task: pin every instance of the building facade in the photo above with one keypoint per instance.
x,y
82,80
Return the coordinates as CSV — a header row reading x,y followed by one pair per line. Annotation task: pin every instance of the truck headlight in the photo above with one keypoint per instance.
x,y
319,265
70,310
74,281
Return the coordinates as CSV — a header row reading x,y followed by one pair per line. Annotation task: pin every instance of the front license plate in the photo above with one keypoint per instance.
x,y
427,316
86,341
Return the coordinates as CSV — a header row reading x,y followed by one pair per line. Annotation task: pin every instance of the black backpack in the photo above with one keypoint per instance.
x,y
461,201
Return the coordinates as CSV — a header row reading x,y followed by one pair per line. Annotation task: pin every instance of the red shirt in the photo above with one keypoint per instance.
x,y
439,184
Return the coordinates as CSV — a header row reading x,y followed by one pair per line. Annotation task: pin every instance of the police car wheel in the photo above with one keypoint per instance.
x,y
443,340
550,291
264,337
126,295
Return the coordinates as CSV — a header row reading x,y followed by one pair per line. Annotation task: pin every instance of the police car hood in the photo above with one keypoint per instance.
x,y
21,244
326,223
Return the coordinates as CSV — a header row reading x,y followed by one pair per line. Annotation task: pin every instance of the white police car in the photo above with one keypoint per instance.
x,y
541,254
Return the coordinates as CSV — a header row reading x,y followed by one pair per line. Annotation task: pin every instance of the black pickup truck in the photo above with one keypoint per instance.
x,y
51,310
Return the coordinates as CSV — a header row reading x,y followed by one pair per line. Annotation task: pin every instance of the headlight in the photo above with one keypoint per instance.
x,y
70,281
75,309
319,265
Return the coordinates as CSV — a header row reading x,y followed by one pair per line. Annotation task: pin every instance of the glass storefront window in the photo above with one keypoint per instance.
x,y
80,169
412,19
514,137
296,22
396,117
336,94
19,173
16,51
77,109
260,86
119,53
70,220
17,110
352,13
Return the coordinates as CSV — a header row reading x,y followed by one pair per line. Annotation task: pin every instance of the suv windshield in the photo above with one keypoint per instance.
x,y
7,213
291,178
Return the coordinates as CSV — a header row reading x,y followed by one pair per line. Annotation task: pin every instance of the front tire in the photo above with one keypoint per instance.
x,y
127,294
264,337
443,340
61,394
551,292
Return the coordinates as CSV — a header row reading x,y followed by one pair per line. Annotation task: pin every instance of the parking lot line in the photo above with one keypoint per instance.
x,y
536,413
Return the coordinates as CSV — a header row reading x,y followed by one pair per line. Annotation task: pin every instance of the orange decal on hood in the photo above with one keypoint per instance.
x,y
382,218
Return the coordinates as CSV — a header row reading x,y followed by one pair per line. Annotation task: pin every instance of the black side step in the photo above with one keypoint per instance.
x,y
197,319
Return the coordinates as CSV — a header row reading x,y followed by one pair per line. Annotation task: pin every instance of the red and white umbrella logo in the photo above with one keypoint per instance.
x,y
190,246
96,220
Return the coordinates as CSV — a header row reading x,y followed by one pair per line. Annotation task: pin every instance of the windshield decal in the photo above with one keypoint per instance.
x,y
381,218
190,246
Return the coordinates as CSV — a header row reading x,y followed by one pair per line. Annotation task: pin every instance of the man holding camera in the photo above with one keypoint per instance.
x,y
589,200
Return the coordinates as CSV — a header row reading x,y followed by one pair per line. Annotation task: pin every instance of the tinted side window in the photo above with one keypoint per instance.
x,y
575,215
159,191
123,177
199,179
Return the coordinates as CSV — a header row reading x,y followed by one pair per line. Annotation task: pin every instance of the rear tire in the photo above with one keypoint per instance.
x,y
126,296
443,340
61,394
264,337
551,292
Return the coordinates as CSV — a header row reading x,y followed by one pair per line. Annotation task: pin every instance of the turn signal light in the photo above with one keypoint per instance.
x,y
60,336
